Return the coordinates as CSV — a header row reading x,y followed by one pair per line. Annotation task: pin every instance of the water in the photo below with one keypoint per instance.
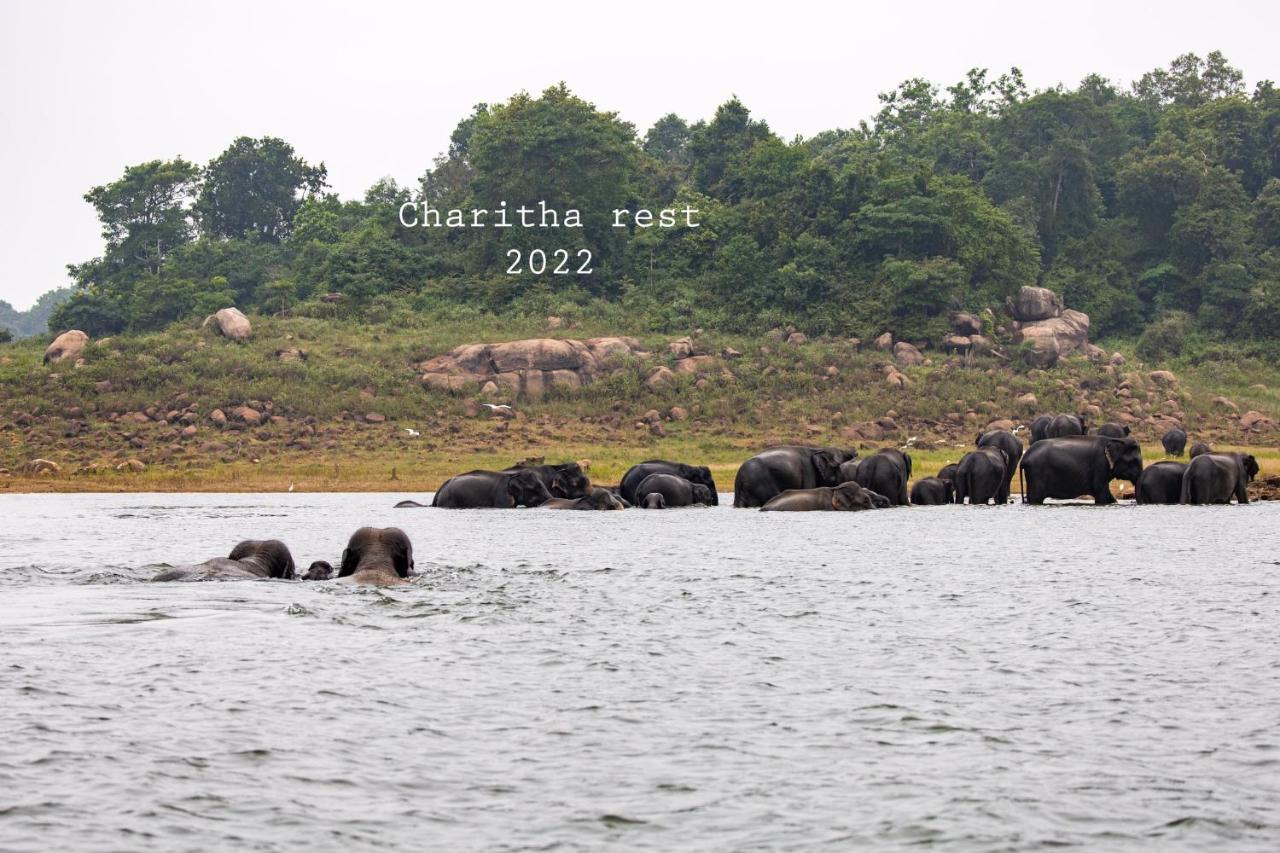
x,y
706,679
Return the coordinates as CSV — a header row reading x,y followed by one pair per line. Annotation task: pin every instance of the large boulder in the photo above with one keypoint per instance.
x,y
528,369
1069,331
907,355
964,324
66,345
1034,303
230,323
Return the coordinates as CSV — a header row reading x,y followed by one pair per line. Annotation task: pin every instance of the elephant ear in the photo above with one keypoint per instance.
x,y
1251,466
401,550
348,564
557,487
840,500
1109,454
826,466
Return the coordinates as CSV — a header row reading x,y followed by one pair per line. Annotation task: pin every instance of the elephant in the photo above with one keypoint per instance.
x,y
1002,439
948,472
1174,441
1114,430
1040,428
252,559
1064,425
887,472
377,556
847,497
320,570
1075,465
599,499
932,491
1215,478
787,466
981,477
492,489
848,471
878,500
1200,447
565,480
1161,483
675,491
653,500
694,474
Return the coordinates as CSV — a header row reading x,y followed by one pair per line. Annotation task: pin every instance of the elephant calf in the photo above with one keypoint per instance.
x,y
932,491
846,497
250,560
675,491
599,499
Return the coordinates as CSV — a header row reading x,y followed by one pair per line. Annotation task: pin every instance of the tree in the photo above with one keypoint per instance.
x,y
255,187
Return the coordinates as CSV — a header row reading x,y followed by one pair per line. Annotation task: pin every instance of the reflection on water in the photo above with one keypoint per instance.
x,y
694,679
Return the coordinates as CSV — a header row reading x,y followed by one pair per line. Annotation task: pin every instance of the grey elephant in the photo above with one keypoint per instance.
x,y
377,557
1216,478
788,466
252,559
846,497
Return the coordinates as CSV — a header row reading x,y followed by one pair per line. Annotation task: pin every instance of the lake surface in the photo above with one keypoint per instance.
x,y
701,679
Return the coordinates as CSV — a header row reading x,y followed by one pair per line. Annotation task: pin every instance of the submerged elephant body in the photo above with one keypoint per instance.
x,y
932,491
566,480
675,491
492,490
846,497
252,559
784,467
1071,466
699,474
598,499
1216,478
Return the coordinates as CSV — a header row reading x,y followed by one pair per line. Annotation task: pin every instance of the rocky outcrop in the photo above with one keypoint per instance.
x,y
66,345
230,323
907,354
1047,329
527,369
1034,303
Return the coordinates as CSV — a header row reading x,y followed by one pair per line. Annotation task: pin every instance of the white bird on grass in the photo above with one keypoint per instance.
x,y
413,433
499,408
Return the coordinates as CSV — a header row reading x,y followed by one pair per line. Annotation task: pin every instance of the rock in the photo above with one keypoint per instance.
x,y
189,431
730,352
884,342
374,418
660,377
246,415
1095,353
1041,352
102,387
797,338
528,368
832,371
554,322
69,344
135,418
907,355
218,417
652,416
42,468
1027,401
965,324
657,429
132,466
292,354
696,364
957,343
1117,359
1253,421
1069,332
896,379
489,389
230,323
1164,377
679,413
681,348
1224,403
1034,303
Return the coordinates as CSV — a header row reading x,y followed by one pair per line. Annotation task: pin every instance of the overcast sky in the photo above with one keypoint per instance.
x,y
374,89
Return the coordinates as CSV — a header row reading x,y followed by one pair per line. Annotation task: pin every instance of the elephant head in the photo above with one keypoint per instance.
x,y
849,497
271,555
1124,458
526,488
384,554
1198,448
1250,467
653,500
827,462
320,570
701,494
569,481
601,499
878,500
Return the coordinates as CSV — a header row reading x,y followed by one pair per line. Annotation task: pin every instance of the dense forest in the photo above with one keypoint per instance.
x,y
1154,206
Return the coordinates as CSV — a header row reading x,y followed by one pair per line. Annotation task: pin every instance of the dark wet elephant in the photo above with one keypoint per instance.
x,y
492,490
1065,425
1002,439
1114,430
1200,447
675,491
1216,478
566,480
1174,441
1040,428
252,559
981,476
653,500
599,499
377,556
1076,465
788,466
948,472
320,570
887,472
693,473
1160,483
846,497
932,491
848,471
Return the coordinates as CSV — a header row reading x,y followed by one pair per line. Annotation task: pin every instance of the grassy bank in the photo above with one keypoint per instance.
x,y
337,413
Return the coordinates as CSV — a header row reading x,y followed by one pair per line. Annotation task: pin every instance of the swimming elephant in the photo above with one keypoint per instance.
x,y
1174,441
1076,465
377,556
320,570
1114,430
932,491
887,472
1002,439
1216,478
598,499
981,476
675,491
1160,483
1064,425
846,497
565,480
252,559
653,500
694,474
787,466
1040,428
492,489
1200,447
